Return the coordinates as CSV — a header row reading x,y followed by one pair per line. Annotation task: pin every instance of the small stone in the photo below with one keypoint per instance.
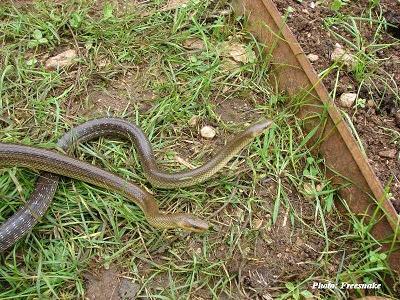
x,y
226,89
193,44
371,103
312,5
340,55
102,62
391,153
299,242
257,223
207,132
193,121
61,60
308,191
312,57
347,99
238,52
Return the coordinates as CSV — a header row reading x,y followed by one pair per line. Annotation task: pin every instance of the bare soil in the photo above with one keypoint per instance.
x,y
373,124
260,265
109,284
265,256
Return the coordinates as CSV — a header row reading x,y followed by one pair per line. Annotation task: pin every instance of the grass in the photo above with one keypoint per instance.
x,y
275,228
364,36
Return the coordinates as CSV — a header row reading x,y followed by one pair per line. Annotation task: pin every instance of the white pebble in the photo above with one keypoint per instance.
x,y
193,121
391,153
340,55
207,132
312,57
371,103
347,99
64,59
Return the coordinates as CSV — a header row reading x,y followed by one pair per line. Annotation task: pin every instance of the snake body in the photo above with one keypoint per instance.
x,y
55,163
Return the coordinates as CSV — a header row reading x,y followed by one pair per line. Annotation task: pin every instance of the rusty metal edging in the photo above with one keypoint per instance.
x,y
294,74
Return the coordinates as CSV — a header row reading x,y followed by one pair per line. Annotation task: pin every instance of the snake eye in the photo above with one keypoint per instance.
x,y
196,228
190,223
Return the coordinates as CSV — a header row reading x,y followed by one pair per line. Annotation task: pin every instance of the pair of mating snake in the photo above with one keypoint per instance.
x,y
54,164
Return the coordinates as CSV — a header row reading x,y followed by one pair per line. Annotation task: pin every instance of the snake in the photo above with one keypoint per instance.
x,y
54,164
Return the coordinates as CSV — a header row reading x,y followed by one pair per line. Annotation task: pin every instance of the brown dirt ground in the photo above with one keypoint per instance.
x,y
254,264
307,25
280,253
109,284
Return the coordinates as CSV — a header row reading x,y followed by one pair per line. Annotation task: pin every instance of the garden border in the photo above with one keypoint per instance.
x,y
346,164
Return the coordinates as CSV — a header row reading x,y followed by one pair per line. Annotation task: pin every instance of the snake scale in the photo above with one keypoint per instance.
x,y
54,164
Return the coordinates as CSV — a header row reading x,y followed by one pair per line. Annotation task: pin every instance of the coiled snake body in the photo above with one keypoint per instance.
x,y
54,164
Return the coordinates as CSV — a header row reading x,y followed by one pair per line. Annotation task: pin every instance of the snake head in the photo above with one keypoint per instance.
x,y
191,223
258,128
